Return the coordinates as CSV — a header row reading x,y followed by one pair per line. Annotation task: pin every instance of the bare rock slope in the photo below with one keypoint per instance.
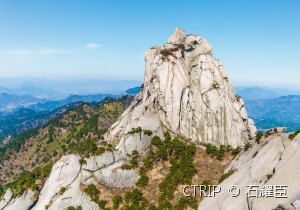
x,y
274,162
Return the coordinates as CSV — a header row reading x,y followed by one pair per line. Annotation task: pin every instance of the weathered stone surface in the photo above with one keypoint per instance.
x,y
187,92
6,198
69,174
63,188
22,202
279,158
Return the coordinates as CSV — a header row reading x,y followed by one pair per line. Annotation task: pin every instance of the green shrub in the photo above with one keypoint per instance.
x,y
117,200
135,130
269,176
133,162
82,161
236,151
156,141
87,148
259,135
229,148
255,154
92,192
293,135
206,183
102,204
216,152
74,208
148,132
143,180
226,175
247,146
62,190
126,167
134,200
185,202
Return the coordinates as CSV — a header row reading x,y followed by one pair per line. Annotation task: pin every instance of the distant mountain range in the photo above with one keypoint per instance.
x,y
133,91
12,101
58,89
253,93
30,116
26,119
272,107
275,112
51,105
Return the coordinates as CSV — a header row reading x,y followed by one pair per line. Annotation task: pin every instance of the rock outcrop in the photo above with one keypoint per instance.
x,y
70,175
63,188
25,201
276,161
186,92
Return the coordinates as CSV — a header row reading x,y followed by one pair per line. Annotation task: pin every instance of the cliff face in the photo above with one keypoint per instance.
x,y
187,92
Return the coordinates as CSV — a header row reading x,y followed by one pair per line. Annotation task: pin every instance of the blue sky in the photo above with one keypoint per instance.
x,y
258,41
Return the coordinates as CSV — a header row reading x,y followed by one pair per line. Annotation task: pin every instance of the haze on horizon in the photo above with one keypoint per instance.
x,y
62,40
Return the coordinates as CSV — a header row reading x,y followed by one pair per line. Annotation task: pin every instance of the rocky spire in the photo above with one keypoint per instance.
x,y
177,37
186,92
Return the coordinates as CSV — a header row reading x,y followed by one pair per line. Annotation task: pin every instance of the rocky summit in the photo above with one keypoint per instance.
x,y
186,92
186,125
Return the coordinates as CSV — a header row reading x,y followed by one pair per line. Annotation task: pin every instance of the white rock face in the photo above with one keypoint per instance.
x,y
187,92
278,156
6,198
25,201
69,175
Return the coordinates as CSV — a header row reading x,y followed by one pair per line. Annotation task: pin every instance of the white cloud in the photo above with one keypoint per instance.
x,y
92,45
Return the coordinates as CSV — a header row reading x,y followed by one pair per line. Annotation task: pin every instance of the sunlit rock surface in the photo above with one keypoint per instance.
x,y
187,92
273,162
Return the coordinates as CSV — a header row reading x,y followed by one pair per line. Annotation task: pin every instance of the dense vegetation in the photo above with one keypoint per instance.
x,y
180,154
28,180
78,131
17,141
219,152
